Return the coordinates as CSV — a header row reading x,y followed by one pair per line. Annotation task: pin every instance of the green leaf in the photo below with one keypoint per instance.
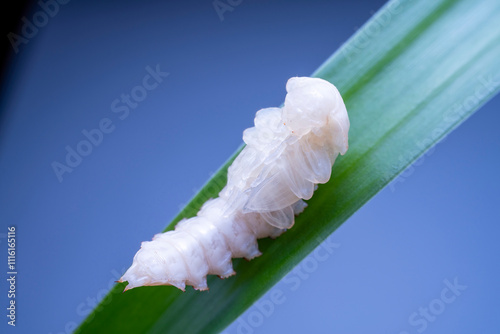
x,y
409,76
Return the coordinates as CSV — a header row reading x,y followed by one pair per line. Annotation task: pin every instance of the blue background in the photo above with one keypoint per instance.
x,y
76,236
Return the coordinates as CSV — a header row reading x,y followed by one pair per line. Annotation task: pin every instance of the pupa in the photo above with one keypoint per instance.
x,y
288,152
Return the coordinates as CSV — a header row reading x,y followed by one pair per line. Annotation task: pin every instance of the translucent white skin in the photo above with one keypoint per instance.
x,y
288,152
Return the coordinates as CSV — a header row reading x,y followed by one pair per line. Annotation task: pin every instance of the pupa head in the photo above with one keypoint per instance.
x,y
315,103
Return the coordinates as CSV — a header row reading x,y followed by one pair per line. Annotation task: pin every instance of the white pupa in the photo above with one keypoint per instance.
x,y
288,152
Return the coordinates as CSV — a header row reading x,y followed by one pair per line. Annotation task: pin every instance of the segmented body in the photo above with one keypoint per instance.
x,y
288,152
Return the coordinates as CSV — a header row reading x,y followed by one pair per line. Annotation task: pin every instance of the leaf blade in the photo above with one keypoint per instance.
x,y
401,89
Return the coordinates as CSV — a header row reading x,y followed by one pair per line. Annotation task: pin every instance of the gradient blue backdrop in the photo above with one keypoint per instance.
x,y
76,236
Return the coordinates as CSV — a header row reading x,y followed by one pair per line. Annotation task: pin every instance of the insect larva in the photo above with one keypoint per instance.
x,y
288,152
